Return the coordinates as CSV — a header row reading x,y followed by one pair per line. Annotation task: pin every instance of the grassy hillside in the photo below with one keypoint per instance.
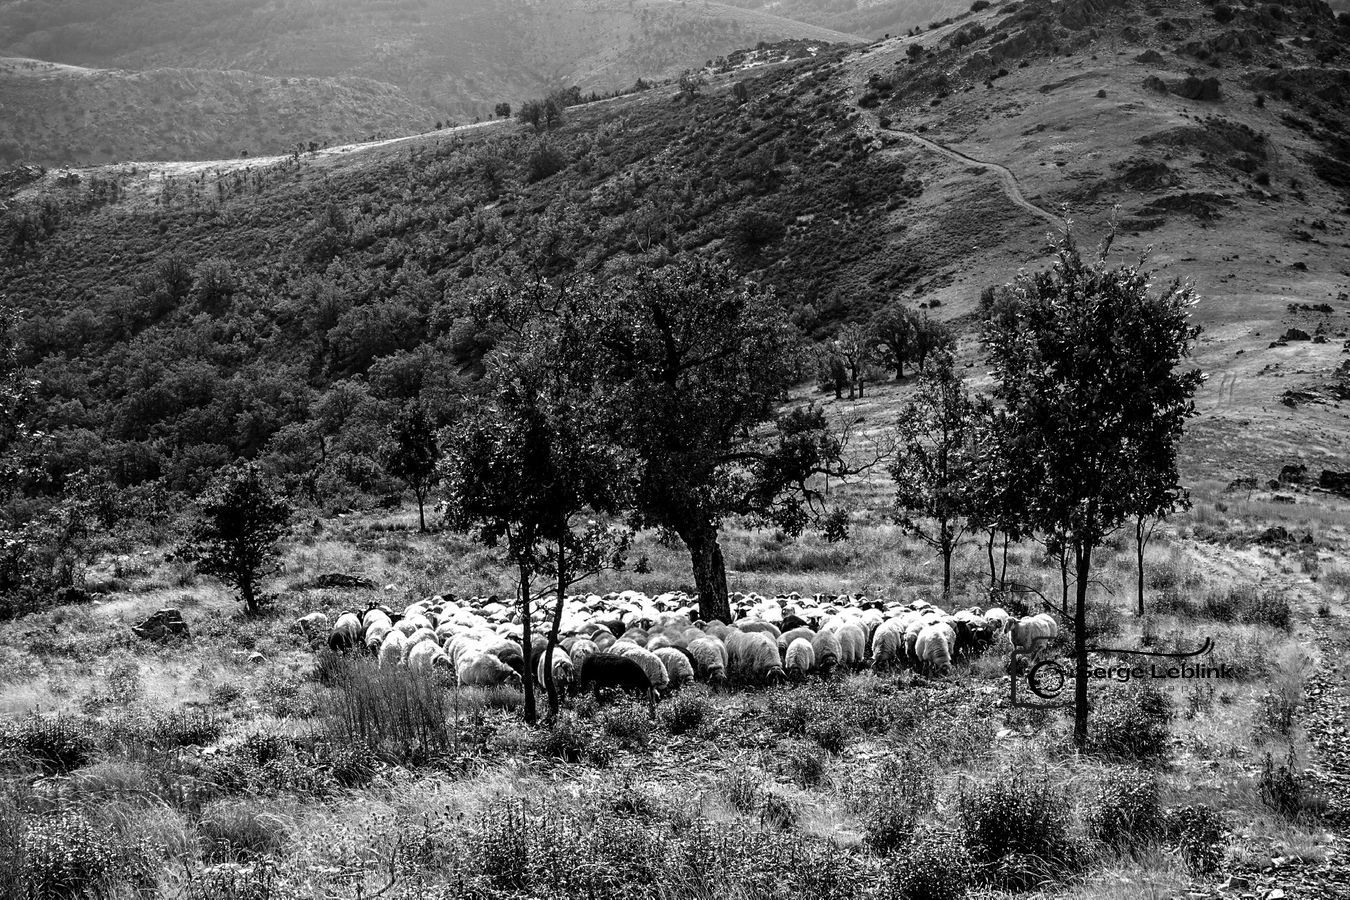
x,y
460,57
56,114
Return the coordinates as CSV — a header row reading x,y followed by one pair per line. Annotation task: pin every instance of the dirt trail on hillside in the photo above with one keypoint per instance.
x,y
1011,186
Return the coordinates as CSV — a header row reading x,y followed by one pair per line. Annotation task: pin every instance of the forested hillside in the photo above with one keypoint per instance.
x,y
176,317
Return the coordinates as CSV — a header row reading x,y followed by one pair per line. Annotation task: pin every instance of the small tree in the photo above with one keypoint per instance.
x,y
693,361
502,110
235,537
931,338
854,346
998,490
937,462
410,453
525,466
891,332
1088,364
691,83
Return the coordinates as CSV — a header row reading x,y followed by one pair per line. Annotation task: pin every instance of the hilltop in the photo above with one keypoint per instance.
x,y
919,169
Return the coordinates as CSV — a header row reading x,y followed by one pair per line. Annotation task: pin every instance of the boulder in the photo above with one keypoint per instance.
x,y
167,624
1296,334
1193,88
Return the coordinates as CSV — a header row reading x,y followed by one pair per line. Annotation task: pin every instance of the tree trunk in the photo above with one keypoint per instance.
x,y
421,516
1003,570
1083,554
553,629
250,598
710,573
989,549
527,679
946,545
1064,581
1139,542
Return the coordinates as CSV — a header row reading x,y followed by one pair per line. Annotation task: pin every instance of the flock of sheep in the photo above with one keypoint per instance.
x,y
633,642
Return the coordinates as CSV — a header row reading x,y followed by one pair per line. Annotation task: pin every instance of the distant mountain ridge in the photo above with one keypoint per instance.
x,y
254,70
463,55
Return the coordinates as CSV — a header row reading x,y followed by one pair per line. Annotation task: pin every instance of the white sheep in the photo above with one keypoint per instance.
x,y
650,662
374,636
825,645
852,644
392,648
800,659
564,672
346,633
480,669
753,657
710,659
998,617
679,670
1030,634
428,656
934,646
888,644
311,627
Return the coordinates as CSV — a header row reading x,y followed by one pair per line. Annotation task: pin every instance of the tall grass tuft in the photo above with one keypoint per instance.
x,y
405,715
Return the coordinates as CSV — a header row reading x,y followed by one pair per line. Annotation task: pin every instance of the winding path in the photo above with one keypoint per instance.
x,y
1011,187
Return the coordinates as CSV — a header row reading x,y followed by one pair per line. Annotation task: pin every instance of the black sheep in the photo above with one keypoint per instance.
x,y
610,670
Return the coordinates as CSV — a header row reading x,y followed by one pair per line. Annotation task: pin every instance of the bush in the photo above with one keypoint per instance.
x,y
627,723
544,162
238,830
892,805
807,765
1127,813
66,856
1017,829
58,743
778,811
1269,609
935,867
351,765
741,788
1198,834
1132,724
568,741
685,712
1284,789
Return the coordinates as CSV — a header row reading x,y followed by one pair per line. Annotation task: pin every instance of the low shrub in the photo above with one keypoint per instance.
x,y
568,740
892,805
778,811
685,712
935,867
65,856
1017,829
1127,813
627,723
1198,834
741,789
239,830
58,743
350,765
1132,724
1285,789
807,765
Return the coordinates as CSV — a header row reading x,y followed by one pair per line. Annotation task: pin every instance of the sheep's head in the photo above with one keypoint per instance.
x,y
776,676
